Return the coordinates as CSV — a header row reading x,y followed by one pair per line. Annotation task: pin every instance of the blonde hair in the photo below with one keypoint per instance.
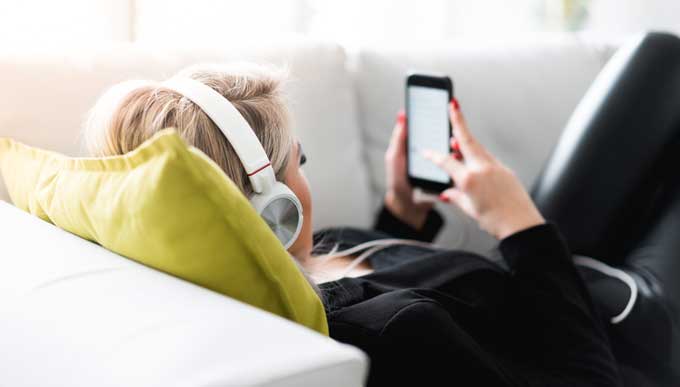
x,y
131,112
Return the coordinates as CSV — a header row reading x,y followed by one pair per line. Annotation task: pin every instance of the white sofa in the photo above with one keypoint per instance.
x,y
72,313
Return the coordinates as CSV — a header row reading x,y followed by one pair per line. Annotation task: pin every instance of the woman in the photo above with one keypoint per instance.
x,y
423,315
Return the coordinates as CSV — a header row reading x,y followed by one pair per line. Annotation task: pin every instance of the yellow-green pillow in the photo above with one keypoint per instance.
x,y
168,206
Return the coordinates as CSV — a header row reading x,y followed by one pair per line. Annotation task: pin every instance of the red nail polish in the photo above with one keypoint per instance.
x,y
455,146
458,156
455,103
444,198
401,117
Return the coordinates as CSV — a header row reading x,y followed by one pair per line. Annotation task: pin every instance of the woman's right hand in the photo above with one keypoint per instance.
x,y
484,188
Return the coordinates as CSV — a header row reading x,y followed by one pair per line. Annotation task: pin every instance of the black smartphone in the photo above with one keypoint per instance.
x,y
428,127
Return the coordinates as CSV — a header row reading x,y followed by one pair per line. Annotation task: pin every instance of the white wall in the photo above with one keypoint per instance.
x,y
615,18
212,21
45,22
350,22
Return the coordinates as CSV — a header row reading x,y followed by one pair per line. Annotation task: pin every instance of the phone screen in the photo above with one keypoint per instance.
x,y
428,128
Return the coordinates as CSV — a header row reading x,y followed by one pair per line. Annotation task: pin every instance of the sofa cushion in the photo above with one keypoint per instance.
x,y
46,94
168,206
516,99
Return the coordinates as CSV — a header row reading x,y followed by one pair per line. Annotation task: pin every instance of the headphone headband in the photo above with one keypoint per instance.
x,y
234,127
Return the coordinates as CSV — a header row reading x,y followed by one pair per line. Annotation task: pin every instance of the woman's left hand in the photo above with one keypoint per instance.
x,y
399,196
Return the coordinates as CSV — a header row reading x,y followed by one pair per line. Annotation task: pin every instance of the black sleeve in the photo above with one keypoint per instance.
x,y
553,313
390,224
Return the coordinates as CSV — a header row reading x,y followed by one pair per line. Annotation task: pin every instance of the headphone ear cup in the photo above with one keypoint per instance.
x,y
281,210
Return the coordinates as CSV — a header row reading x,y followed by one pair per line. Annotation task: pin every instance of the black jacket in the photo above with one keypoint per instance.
x,y
454,318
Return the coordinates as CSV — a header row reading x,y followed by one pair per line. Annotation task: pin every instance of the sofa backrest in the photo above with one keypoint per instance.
x,y
75,314
45,96
516,99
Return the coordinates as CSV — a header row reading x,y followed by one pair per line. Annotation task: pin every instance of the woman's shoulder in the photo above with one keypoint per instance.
x,y
445,272
424,286
386,314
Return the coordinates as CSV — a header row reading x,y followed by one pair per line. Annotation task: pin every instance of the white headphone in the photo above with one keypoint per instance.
x,y
273,200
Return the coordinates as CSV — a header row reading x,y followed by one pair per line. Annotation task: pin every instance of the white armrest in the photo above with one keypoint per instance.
x,y
73,313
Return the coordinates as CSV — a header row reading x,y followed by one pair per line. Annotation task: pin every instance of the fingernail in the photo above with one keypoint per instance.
x,y
455,103
454,145
458,156
401,117
444,198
